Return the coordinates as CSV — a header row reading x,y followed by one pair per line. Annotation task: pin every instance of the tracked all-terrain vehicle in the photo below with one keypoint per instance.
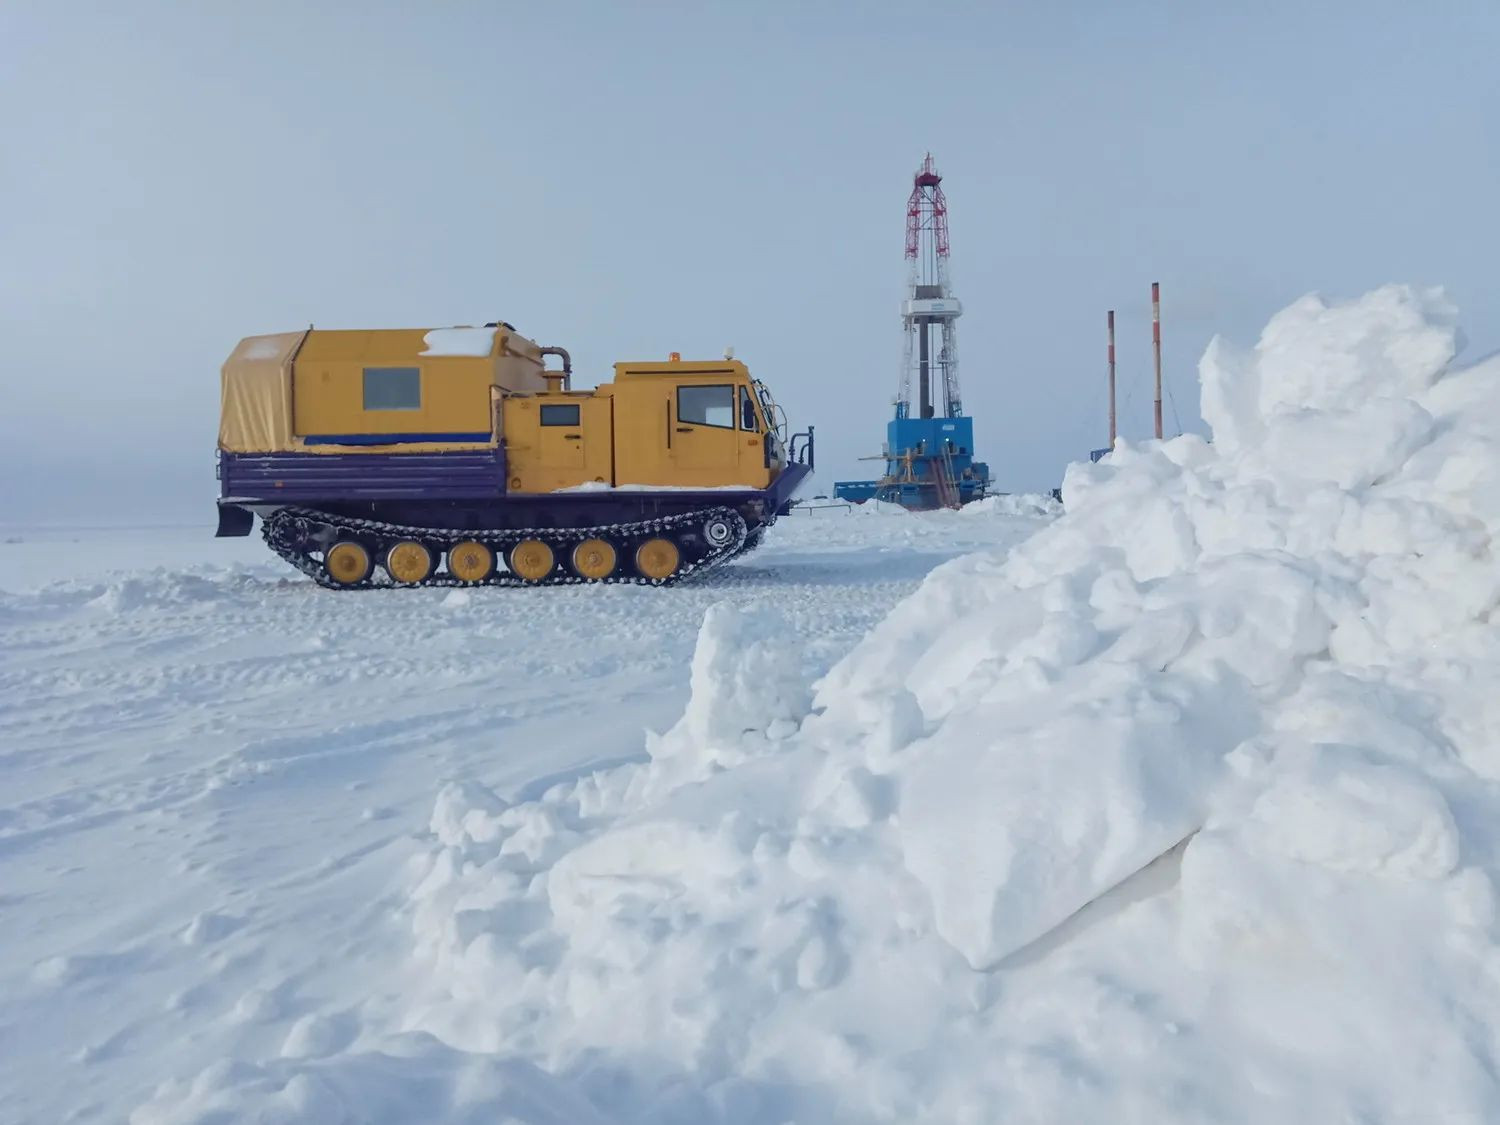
x,y
455,457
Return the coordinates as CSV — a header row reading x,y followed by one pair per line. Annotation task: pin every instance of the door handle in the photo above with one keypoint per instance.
x,y
684,429
573,437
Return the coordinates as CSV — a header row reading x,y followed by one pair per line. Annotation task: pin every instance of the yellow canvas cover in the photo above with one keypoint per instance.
x,y
256,390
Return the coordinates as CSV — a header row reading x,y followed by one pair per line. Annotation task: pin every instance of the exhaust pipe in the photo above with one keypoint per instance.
x,y
567,362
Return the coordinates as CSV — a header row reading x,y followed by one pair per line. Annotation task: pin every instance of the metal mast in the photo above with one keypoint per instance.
x,y
930,309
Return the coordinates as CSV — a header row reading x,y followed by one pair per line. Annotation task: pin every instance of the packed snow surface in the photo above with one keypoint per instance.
x,y
213,775
1180,806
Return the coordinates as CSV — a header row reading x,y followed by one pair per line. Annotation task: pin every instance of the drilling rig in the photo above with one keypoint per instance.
x,y
929,449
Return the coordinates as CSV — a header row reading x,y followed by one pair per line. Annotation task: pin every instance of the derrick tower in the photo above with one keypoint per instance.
x,y
930,310
929,449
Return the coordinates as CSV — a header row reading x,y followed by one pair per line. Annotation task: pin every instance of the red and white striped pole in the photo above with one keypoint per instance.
x,y
1111,378
1156,344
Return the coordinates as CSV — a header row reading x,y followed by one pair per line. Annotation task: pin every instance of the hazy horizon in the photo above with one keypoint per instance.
x,y
626,182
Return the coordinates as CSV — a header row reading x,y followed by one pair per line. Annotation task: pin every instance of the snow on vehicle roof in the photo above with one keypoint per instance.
x,y
265,347
459,342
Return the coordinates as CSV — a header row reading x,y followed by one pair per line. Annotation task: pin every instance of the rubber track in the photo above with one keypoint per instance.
x,y
286,525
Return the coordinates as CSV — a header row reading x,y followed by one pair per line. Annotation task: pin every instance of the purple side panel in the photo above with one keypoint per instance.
x,y
460,475
477,474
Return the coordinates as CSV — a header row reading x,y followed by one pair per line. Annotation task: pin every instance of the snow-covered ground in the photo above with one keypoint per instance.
x,y
1179,806
213,775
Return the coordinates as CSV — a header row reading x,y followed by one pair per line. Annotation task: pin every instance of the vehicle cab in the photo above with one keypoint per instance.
x,y
701,424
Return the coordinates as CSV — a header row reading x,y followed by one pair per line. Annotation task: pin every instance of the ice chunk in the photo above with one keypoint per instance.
x,y
1313,355
1013,818
1339,808
745,681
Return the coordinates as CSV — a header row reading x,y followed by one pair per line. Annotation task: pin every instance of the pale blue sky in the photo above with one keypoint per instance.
x,y
630,180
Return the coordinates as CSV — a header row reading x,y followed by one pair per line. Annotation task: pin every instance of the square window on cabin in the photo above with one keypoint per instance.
x,y
393,388
560,414
706,406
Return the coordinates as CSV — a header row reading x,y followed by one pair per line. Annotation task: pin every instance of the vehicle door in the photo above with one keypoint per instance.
x,y
704,441
756,450
560,438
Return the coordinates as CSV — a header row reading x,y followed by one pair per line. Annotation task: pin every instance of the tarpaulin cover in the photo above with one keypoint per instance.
x,y
256,383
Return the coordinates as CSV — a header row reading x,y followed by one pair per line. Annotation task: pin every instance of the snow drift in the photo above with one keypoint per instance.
x,y
950,883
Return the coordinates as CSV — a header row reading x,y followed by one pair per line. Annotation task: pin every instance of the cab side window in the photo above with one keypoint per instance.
x,y
706,406
747,411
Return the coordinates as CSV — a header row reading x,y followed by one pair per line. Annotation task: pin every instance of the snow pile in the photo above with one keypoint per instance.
x,y
459,342
1181,810
1283,636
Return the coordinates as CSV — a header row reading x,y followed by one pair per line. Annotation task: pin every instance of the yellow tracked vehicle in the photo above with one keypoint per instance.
x,y
456,457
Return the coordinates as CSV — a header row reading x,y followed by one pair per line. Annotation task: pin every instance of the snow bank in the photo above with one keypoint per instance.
x,y
1181,810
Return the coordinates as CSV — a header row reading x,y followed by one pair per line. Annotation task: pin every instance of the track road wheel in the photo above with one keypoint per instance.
x,y
347,563
470,561
717,532
408,562
657,559
595,559
531,560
